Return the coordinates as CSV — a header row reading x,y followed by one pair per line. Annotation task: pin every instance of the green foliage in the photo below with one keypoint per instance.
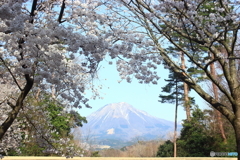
x,y
51,117
58,118
213,129
194,139
31,149
77,119
174,89
196,73
95,154
198,139
165,150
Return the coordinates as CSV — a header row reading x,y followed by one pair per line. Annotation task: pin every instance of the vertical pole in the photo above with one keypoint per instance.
x,y
175,127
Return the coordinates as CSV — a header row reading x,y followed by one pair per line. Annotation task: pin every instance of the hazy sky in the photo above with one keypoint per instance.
x,y
140,96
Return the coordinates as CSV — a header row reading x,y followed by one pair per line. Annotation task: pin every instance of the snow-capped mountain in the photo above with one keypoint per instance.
x,y
123,121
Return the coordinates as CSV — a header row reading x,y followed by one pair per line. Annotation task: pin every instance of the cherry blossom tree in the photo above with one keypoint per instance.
x,y
197,29
54,46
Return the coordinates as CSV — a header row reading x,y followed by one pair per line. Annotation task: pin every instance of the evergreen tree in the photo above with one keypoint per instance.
x,y
174,90
174,96
165,150
194,140
199,137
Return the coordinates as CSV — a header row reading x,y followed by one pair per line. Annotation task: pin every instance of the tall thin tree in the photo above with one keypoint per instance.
x,y
173,89
186,91
215,92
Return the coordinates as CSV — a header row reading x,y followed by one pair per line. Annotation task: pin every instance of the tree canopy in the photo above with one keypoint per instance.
x,y
56,46
205,32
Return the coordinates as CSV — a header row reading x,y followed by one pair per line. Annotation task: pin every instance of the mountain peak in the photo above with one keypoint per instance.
x,y
123,121
117,105
115,110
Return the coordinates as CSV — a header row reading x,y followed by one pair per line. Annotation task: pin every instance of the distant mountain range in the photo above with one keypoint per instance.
x,y
123,122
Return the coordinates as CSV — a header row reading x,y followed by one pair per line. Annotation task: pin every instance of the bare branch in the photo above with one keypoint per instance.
x,y
34,7
9,70
3,101
10,104
61,12
42,136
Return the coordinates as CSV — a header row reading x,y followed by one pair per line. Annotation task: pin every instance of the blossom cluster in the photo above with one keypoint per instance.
x,y
51,53
205,23
33,125
61,52
48,51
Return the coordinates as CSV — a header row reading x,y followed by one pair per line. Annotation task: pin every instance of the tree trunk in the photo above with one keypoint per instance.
x,y
175,127
186,101
218,114
16,108
236,125
186,89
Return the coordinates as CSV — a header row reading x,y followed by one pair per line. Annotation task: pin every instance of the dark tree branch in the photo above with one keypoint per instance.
x,y
14,79
19,104
10,104
34,7
45,138
61,12
3,101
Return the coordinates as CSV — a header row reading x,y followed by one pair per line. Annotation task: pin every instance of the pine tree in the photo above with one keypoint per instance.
x,y
194,139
